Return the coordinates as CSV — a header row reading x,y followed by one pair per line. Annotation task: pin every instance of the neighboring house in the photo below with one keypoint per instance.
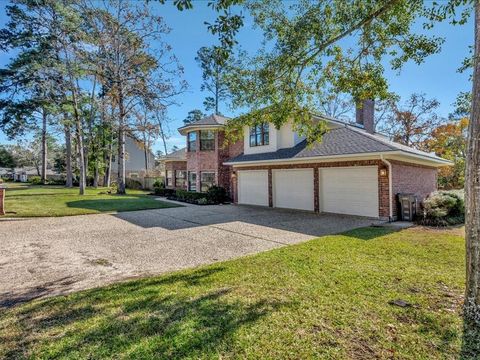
x,y
24,174
176,169
353,170
138,162
206,153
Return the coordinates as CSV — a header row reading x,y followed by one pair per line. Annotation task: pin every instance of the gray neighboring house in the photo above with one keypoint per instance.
x,y
138,161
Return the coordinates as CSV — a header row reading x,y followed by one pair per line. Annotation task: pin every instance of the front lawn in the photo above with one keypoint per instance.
x,y
327,299
23,200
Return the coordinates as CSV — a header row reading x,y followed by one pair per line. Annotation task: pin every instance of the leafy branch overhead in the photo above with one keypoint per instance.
x,y
339,44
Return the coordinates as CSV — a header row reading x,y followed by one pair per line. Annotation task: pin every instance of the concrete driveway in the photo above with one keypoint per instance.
x,y
49,256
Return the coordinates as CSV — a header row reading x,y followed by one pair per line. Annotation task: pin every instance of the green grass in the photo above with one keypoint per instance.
x,y
22,200
325,299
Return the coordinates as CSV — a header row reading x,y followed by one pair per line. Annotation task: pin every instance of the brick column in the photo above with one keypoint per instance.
x,y
270,188
2,202
233,187
316,190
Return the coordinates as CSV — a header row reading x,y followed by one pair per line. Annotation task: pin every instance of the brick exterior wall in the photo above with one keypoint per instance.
x,y
198,161
414,179
172,166
2,203
382,180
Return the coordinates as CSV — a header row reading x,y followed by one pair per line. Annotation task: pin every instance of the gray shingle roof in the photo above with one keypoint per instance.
x,y
180,154
210,120
338,141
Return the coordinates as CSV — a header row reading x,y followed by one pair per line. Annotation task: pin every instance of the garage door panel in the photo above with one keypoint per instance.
x,y
352,191
293,189
253,187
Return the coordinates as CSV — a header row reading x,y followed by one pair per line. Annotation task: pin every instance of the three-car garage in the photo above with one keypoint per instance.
x,y
341,190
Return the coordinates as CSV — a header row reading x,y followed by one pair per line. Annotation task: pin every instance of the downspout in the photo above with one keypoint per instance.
x,y
390,187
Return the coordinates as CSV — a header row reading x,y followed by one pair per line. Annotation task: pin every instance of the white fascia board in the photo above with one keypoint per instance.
x,y
393,155
184,129
313,159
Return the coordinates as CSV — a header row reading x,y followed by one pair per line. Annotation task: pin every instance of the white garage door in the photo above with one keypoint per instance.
x,y
293,189
352,191
253,187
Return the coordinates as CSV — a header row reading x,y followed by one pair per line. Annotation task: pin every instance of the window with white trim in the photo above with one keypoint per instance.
x,y
207,180
259,135
207,140
180,178
192,141
168,178
192,181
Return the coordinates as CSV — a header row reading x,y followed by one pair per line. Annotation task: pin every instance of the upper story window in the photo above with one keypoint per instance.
x,y
192,141
207,140
259,135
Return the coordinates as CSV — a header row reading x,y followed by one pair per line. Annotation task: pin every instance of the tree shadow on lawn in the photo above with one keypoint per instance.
x,y
120,203
166,317
371,232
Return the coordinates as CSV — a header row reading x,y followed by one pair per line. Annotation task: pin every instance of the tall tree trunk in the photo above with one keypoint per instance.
x,y
162,133
44,147
472,190
121,178
81,157
95,174
81,150
108,169
68,148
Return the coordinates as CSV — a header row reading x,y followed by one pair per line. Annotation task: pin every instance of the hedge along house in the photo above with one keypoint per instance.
x,y
353,170
206,153
176,169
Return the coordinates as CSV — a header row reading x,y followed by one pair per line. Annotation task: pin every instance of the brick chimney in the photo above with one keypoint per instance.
x,y
365,113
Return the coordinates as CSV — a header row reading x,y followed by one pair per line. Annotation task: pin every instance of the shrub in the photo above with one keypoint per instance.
x,y
35,180
158,184
133,184
57,182
160,191
217,195
203,201
443,208
188,196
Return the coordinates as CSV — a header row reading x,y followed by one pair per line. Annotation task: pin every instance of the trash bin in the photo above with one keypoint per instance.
x,y
407,206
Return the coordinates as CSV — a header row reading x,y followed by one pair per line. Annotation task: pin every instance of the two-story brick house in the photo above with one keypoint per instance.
x,y
353,170
206,153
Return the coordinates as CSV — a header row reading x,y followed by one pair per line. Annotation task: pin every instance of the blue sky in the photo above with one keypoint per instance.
x,y
437,77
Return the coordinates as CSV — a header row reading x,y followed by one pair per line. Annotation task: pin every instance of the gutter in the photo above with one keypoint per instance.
x,y
355,156
390,187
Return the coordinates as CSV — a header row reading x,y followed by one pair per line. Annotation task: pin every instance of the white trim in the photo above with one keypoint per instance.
x,y
356,156
186,129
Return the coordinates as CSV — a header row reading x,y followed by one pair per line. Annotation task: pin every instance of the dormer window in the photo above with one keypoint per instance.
x,y
192,141
259,135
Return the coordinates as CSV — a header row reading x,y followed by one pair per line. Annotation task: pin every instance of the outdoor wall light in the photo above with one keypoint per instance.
x,y
383,172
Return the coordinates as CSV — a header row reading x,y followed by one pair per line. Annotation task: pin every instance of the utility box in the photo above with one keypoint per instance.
x,y
407,206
